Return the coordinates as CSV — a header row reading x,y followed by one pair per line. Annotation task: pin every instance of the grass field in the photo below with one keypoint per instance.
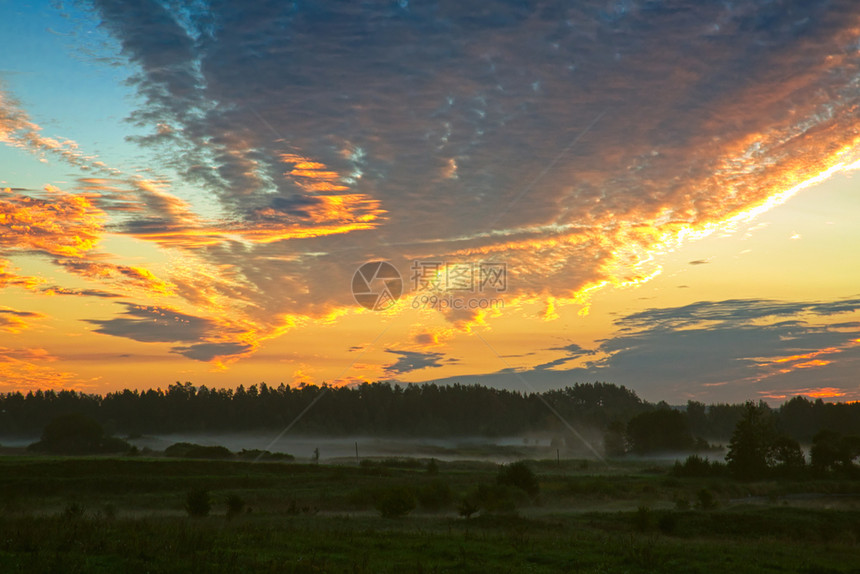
x,y
128,515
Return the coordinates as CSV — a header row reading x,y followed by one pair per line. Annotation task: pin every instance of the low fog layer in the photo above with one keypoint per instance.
x,y
502,449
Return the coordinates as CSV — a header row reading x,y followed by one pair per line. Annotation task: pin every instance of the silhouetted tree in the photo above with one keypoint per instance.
x,y
787,456
614,439
832,450
381,408
751,444
77,434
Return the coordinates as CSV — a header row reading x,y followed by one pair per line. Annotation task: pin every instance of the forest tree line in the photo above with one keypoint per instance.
x,y
627,422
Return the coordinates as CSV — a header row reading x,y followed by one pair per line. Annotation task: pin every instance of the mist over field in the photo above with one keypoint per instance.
x,y
343,449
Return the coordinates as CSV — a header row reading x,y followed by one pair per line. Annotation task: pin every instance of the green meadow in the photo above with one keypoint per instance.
x,y
136,514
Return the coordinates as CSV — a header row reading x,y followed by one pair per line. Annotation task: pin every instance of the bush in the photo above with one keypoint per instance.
x,y
108,511
432,467
395,502
706,500
519,475
667,523
198,503
642,519
497,497
73,511
435,495
467,507
235,505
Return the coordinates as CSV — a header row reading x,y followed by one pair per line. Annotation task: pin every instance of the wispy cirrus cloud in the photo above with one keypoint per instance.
x,y
117,274
55,290
17,130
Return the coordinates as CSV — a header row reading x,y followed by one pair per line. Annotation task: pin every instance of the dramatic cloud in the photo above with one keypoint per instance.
x,y
425,132
569,143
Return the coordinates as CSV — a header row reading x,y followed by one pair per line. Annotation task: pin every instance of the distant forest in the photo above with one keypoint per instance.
x,y
420,410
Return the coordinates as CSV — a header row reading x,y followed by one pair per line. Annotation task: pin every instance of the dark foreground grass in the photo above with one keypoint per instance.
x,y
122,515
420,544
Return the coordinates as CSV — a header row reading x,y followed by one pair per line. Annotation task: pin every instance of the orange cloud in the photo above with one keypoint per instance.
x,y
60,224
784,365
312,176
13,321
424,337
172,222
127,275
7,278
813,392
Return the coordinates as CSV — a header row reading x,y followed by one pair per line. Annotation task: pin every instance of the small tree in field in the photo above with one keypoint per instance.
x,y
467,507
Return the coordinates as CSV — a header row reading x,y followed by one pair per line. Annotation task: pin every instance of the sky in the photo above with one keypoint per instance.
x,y
525,195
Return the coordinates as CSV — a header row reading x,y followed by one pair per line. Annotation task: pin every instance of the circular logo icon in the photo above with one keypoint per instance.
x,y
376,285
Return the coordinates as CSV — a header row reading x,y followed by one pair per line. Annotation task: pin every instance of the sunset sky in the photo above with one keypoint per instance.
x,y
657,194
